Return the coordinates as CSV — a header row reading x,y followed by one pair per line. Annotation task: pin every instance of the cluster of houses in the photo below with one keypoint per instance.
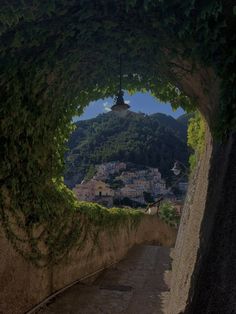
x,y
132,184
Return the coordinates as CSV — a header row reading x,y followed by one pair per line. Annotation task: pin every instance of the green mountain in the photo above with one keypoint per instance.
x,y
184,119
153,140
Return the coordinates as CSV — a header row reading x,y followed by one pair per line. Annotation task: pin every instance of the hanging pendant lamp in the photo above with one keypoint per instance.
x,y
119,103
176,169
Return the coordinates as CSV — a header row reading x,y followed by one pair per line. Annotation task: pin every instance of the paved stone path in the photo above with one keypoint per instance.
x,y
136,285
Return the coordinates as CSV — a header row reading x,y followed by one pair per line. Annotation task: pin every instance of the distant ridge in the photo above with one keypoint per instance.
x,y
184,118
153,140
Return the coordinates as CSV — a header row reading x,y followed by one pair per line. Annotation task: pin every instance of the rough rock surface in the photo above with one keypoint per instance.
x,y
187,243
203,279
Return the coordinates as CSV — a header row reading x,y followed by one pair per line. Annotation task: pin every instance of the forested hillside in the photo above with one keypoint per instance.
x,y
152,140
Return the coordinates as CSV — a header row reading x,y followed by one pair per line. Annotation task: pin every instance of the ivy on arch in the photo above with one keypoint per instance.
x,y
58,55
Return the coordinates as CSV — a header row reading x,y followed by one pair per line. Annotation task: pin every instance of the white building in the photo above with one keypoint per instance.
x,y
88,191
135,183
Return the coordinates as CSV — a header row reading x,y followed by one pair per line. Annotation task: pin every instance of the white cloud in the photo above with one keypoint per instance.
x,y
106,107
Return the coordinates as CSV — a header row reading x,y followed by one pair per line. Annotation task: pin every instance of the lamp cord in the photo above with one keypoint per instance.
x,y
120,73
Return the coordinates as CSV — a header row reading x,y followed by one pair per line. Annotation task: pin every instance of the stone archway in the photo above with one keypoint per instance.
x,y
57,55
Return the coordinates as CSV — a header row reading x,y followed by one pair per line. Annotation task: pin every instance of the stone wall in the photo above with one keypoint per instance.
x,y
22,286
203,272
187,243
213,283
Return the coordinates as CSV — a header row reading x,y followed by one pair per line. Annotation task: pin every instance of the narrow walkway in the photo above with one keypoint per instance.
x,y
136,285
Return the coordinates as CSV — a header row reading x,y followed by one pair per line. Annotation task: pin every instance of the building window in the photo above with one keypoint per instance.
x,y
100,193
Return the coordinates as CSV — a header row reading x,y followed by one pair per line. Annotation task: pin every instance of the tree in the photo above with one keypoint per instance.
x,y
168,213
91,172
148,197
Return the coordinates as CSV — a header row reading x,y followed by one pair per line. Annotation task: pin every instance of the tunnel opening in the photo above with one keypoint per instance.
x,y
47,76
56,56
142,142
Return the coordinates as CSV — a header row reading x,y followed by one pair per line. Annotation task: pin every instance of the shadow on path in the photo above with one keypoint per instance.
x,y
138,284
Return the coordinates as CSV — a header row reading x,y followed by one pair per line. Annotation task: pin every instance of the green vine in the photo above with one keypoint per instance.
x,y
47,241
55,57
196,138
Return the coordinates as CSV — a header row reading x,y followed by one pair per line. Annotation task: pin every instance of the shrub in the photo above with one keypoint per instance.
x,y
168,214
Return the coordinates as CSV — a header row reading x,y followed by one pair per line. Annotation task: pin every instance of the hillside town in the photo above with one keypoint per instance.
x,y
117,181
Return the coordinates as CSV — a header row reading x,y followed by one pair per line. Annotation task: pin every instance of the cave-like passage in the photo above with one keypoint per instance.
x,y
57,55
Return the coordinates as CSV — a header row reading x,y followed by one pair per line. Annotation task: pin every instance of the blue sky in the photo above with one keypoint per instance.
x,y
139,102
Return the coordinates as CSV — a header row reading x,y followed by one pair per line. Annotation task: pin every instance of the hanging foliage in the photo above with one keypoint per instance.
x,y
56,56
196,138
